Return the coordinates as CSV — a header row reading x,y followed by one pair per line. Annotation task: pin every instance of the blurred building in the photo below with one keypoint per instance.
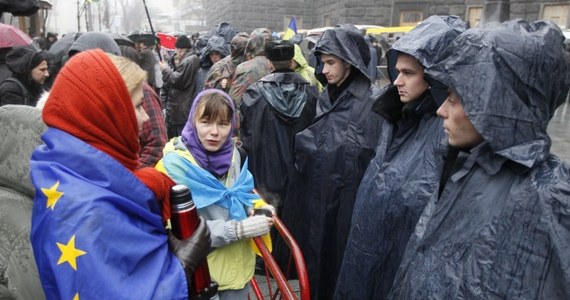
x,y
275,14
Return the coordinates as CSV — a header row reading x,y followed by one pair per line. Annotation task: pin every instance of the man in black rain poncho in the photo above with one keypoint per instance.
x,y
405,171
499,227
274,109
331,156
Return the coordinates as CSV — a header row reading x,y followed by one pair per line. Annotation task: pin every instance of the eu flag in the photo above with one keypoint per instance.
x,y
97,231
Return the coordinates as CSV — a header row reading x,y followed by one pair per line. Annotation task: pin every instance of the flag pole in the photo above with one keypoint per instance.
x,y
152,30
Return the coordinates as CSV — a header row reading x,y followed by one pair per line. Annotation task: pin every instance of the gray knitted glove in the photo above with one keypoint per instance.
x,y
252,227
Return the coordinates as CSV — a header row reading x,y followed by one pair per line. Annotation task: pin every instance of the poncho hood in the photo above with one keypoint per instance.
x,y
347,44
426,42
510,77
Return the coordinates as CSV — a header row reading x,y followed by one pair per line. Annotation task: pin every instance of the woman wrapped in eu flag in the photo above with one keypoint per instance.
x,y
98,221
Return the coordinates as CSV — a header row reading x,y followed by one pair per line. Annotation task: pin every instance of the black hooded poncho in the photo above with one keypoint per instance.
x,y
331,156
402,176
500,229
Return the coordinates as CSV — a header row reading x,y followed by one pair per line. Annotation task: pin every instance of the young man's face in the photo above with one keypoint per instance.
x,y
459,130
335,69
410,81
40,73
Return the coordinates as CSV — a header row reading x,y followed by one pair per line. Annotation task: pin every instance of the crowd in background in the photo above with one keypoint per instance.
x,y
438,182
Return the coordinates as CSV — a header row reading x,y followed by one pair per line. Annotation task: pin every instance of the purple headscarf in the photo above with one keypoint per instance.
x,y
214,162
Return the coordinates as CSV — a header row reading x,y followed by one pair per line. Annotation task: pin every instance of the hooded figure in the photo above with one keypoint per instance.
x,y
404,173
222,72
331,156
217,48
29,72
302,67
20,130
499,227
274,109
256,65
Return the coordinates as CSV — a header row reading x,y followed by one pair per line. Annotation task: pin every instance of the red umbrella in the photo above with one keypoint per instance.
x,y
11,36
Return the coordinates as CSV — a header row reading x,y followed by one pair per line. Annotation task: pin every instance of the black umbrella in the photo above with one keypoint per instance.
x,y
19,7
60,47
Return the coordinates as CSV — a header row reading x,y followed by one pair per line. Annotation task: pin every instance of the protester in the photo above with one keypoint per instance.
x,y
98,222
20,130
274,109
255,66
215,50
331,156
205,159
301,66
221,73
406,168
153,137
29,72
180,85
498,226
51,38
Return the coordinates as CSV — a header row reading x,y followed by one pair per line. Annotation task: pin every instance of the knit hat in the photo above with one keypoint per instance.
x,y
183,42
279,51
37,59
21,60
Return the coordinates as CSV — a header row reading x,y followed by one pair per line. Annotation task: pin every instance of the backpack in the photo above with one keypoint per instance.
x,y
25,92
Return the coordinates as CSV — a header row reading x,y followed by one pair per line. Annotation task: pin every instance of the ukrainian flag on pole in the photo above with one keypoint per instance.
x,y
291,30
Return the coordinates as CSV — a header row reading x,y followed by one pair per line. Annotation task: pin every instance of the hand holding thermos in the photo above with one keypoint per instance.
x,y
190,241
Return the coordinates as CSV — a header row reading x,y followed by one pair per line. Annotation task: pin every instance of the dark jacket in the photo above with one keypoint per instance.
x,y
21,89
180,83
331,156
401,177
20,130
499,230
215,44
273,110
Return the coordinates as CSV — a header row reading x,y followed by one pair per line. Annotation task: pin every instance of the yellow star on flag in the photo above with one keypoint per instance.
x,y
76,297
69,253
52,195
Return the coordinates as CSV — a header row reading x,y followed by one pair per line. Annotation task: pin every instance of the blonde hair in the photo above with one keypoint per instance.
x,y
132,74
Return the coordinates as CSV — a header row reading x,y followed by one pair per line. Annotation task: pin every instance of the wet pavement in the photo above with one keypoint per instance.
x,y
559,131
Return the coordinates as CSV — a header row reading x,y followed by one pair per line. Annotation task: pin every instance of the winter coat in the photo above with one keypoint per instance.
x,y
225,68
273,110
254,69
20,88
20,130
232,261
180,83
401,177
499,230
331,156
215,44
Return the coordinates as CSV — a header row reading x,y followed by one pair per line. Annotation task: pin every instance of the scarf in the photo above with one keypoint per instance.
x,y
90,101
208,190
215,162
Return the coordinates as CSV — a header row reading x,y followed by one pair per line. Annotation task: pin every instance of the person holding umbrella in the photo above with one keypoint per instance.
x,y
11,37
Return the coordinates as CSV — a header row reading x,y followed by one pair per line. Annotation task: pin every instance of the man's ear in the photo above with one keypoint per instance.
x,y
271,67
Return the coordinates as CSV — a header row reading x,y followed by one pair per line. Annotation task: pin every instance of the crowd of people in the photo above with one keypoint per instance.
x,y
439,185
